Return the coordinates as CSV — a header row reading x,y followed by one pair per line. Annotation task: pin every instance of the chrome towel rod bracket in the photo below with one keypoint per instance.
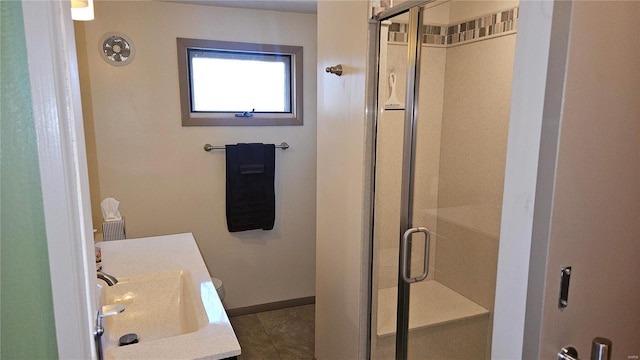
x,y
209,147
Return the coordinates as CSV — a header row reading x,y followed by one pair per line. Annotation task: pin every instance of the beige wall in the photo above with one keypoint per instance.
x,y
342,259
166,183
520,185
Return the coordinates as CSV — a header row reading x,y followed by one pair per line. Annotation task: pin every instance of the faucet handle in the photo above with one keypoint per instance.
x,y
103,312
110,310
106,311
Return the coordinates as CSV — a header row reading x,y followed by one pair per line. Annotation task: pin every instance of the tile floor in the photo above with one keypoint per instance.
x,y
284,334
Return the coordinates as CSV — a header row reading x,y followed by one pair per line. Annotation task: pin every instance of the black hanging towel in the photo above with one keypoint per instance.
x,y
251,199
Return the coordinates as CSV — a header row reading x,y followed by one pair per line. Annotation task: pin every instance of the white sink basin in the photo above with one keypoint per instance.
x,y
169,299
157,306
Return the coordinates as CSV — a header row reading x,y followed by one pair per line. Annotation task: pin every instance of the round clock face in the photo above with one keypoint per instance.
x,y
117,49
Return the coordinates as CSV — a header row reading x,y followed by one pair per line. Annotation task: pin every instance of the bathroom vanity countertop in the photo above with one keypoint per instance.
x,y
213,340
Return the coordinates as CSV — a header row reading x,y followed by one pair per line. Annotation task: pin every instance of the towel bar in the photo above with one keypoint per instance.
x,y
209,147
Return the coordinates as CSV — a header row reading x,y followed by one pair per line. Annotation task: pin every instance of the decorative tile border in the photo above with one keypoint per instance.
x,y
446,35
398,32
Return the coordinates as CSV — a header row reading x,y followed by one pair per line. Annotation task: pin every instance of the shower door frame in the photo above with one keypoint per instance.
x,y
415,9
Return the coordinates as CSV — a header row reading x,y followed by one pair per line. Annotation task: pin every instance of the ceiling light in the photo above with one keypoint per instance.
x,y
82,10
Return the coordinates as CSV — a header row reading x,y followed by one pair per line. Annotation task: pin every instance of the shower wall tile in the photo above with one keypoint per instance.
x,y
472,157
467,261
453,34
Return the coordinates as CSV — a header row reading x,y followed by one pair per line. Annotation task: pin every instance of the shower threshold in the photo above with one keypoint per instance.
x,y
430,304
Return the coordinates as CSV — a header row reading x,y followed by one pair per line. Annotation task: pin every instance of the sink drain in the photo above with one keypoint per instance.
x,y
128,339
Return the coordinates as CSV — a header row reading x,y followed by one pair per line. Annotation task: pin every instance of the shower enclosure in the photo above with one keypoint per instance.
x,y
444,72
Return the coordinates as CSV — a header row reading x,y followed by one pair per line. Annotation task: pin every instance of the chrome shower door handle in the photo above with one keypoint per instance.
x,y
405,253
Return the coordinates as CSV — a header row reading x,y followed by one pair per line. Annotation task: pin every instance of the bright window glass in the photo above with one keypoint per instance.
x,y
225,83
231,81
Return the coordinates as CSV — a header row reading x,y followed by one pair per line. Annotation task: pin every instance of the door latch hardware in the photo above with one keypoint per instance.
x,y
568,353
600,350
565,275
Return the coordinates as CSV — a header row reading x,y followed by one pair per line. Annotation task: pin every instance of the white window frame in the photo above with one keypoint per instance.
x,y
200,118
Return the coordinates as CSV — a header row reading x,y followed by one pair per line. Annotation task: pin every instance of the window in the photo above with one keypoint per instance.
x,y
230,83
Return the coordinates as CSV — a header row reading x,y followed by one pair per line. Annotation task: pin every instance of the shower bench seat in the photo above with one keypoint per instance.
x,y
431,304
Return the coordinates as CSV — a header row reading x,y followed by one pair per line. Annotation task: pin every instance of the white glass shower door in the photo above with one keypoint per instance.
x,y
440,145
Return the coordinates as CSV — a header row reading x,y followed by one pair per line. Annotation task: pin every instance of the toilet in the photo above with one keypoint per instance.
x,y
217,283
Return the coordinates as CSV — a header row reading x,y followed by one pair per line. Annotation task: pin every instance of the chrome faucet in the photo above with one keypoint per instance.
x,y
108,278
105,311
